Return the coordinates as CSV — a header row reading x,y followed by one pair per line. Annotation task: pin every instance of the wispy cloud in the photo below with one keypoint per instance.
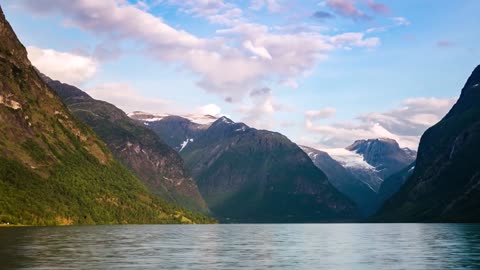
x,y
396,22
272,5
405,124
322,15
242,56
445,44
66,67
348,9
127,98
378,7
324,113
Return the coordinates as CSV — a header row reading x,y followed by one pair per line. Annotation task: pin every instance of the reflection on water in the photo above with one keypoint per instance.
x,y
321,246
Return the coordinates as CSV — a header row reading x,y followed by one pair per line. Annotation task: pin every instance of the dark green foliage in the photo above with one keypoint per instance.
x,y
137,147
82,191
35,150
55,170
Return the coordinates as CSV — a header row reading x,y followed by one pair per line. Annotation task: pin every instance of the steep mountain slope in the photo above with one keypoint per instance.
x,y
393,183
343,180
53,169
445,185
356,165
254,175
158,166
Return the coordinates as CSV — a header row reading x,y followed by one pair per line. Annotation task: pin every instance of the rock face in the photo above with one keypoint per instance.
x,y
157,165
342,179
373,160
393,183
250,175
445,185
384,154
53,169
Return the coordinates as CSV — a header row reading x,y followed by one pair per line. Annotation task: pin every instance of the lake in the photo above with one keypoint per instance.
x,y
310,246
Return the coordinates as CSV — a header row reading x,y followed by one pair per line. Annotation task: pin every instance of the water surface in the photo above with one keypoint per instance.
x,y
319,246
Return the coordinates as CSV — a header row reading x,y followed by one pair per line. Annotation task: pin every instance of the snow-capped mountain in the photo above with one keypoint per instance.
x,y
176,131
384,154
373,160
356,165
250,175
340,176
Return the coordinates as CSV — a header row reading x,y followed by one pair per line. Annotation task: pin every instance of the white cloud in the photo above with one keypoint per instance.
x,y
401,21
215,11
397,22
355,39
259,51
66,67
262,108
272,5
320,114
405,124
210,109
127,98
224,63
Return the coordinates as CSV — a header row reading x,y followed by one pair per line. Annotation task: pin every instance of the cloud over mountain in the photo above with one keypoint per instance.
x,y
404,124
241,56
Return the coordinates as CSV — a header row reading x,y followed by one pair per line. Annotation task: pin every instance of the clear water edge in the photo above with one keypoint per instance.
x,y
245,246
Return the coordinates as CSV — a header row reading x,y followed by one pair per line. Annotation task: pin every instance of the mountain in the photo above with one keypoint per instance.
x,y
394,182
250,175
445,185
157,165
342,179
55,170
384,154
373,160
176,131
356,165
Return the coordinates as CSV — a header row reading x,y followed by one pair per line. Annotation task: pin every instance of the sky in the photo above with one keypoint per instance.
x,y
324,73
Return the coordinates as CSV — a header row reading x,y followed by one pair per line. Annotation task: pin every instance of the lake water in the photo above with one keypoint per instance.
x,y
319,246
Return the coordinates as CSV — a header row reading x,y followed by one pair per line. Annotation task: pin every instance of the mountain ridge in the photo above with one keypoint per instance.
x,y
137,147
445,183
53,169
250,175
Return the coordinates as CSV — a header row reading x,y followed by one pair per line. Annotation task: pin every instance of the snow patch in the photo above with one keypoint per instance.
x,y
227,121
184,144
476,85
241,129
153,117
348,159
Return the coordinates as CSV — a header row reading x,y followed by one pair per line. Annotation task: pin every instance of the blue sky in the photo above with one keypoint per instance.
x,y
324,73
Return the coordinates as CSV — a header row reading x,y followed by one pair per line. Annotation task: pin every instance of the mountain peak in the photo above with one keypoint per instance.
x,y
360,145
473,82
11,48
223,120
384,154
